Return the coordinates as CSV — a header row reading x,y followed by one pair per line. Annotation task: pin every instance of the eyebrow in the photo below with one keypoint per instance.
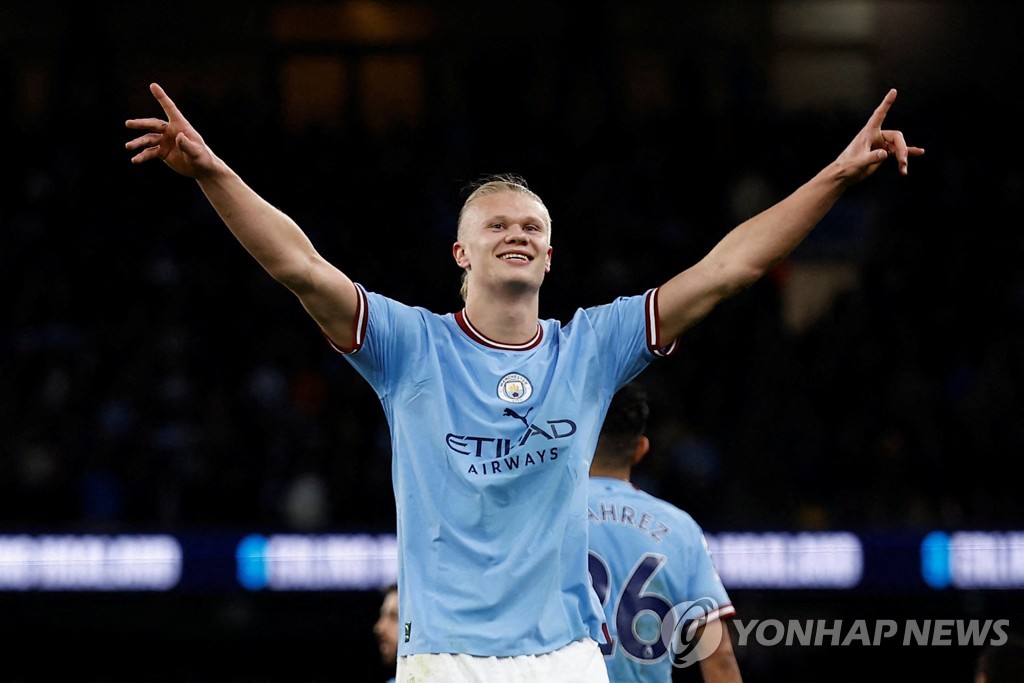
x,y
529,220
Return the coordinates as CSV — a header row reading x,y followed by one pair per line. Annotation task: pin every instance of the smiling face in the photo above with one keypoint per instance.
x,y
504,242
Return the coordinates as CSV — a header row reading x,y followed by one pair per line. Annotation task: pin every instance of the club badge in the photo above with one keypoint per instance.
x,y
514,388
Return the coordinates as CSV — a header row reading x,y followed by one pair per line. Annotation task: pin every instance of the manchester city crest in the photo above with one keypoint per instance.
x,y
514,388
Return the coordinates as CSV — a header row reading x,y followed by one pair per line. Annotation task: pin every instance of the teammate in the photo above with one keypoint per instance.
x,y
646,558
1002,663
386,629
494,414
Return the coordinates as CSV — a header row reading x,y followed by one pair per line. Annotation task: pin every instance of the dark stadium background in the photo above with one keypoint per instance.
x,y
154,379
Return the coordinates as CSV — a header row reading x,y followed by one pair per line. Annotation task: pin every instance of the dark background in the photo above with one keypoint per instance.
x,y
153,378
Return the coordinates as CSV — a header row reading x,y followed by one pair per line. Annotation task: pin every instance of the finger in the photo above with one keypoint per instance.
x,y
146,155
166,103
146,124
878,116
148,140
188,146
895,142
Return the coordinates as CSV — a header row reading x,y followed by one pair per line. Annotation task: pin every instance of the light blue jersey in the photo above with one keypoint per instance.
x,y
646,555
491,448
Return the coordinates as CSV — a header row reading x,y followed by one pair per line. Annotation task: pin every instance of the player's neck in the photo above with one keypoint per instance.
x,y
598,470
508,320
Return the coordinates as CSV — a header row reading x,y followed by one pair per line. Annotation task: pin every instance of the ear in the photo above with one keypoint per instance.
x,y
461,257
547,260
643,444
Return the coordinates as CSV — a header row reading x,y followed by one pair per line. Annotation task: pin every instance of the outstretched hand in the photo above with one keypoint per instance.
x,y
873,145
174,140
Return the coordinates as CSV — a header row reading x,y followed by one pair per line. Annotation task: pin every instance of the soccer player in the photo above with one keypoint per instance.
x,y
1002,663
494,414
386,629
650,564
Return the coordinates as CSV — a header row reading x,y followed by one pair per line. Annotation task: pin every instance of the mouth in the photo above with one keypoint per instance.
x,y
512,256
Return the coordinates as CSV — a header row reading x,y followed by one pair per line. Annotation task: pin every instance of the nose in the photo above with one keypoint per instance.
x,y
516,234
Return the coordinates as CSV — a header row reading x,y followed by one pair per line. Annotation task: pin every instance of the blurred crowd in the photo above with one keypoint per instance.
x,y
154,376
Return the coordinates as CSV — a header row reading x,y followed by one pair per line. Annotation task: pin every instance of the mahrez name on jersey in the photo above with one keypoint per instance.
x,y
628,516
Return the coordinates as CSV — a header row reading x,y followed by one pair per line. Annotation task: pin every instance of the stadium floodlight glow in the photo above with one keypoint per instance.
x,y
831,560
297,562
973,559
89,563
956,560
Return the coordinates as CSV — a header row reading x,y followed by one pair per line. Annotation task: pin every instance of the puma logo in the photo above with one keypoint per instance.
x,y
522,418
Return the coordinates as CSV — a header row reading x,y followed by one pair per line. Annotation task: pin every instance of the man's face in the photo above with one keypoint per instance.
x,y
505,242
386,629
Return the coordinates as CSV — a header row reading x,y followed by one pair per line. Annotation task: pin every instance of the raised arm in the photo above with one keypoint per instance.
x,y
749,250
269,235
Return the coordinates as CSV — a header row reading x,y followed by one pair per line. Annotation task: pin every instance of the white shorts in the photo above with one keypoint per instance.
x,y
578,662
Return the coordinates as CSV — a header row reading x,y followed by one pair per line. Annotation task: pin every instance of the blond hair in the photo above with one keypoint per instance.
x,y
491,185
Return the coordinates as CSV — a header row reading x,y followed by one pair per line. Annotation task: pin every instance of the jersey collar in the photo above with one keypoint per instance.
x,y
462,318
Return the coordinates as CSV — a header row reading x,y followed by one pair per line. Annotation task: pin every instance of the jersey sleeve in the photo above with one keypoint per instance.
x,y
704,579
389,336
358,325
628,336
